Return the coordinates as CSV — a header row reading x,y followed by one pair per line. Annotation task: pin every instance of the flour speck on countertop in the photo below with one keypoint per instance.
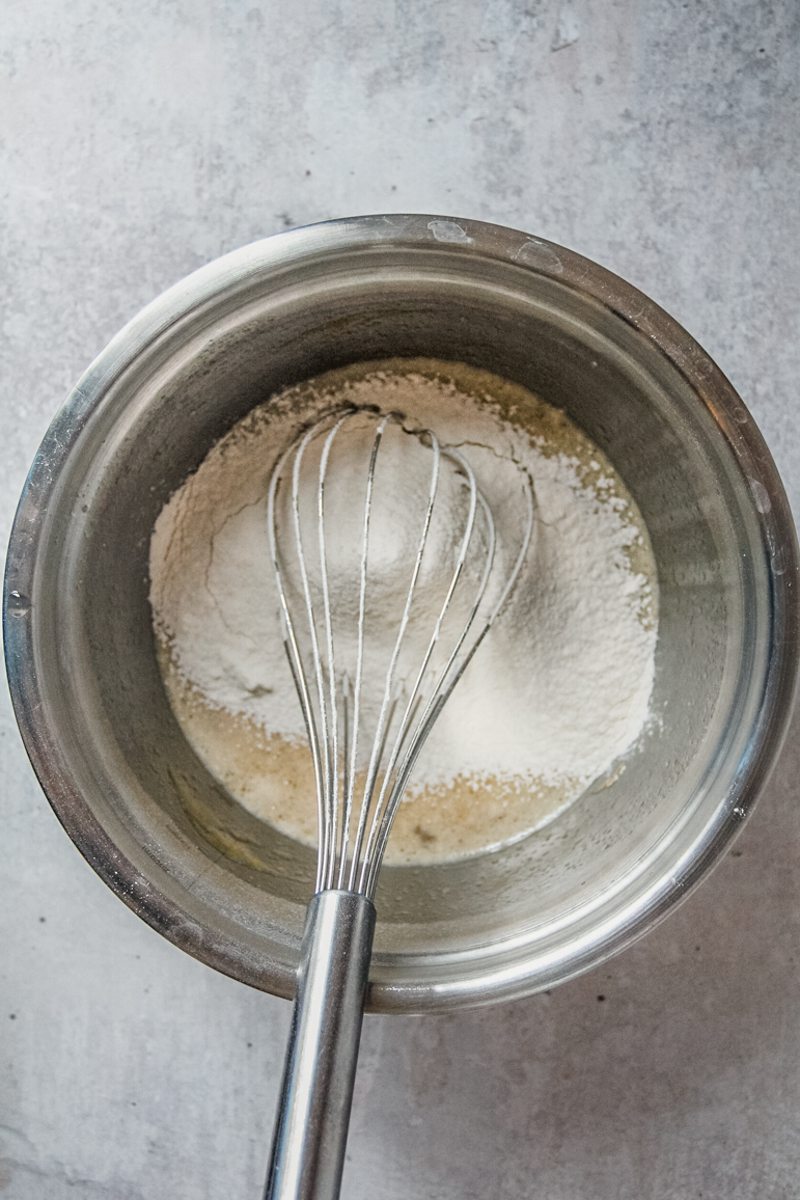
x,y
556,695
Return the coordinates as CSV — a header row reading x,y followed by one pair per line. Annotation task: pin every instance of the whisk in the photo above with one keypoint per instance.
x,y
390,573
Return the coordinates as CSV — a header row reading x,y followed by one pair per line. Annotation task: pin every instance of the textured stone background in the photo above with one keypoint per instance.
x,y
142,139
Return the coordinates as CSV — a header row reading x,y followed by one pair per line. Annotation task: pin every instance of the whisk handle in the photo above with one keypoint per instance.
x,y
319,1073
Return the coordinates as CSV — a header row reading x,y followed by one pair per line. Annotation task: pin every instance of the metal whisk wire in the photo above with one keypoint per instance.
x,y
350,858
355,817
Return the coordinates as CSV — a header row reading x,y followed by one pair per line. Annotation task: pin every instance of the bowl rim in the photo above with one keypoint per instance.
x,y
485,241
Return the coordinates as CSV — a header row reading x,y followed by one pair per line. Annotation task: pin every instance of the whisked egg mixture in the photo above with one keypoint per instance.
x,y
554,699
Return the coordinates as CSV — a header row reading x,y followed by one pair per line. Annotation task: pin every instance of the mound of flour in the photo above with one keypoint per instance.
x,y
559,690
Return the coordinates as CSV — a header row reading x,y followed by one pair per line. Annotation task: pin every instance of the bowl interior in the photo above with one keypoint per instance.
x,y
539,907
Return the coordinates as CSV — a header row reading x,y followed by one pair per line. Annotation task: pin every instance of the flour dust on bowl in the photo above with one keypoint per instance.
x,y
161,823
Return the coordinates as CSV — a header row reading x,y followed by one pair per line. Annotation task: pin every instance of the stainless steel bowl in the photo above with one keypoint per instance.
x,y
80,651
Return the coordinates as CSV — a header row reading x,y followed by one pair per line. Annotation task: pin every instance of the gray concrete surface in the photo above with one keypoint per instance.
x,y
142,139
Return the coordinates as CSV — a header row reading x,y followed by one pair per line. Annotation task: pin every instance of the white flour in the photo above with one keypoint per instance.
x,y
556,694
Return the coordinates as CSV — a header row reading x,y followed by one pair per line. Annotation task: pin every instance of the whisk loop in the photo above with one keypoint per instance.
x,y
356,808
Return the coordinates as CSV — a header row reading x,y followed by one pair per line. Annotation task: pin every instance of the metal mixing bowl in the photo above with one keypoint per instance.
x,y
81,657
